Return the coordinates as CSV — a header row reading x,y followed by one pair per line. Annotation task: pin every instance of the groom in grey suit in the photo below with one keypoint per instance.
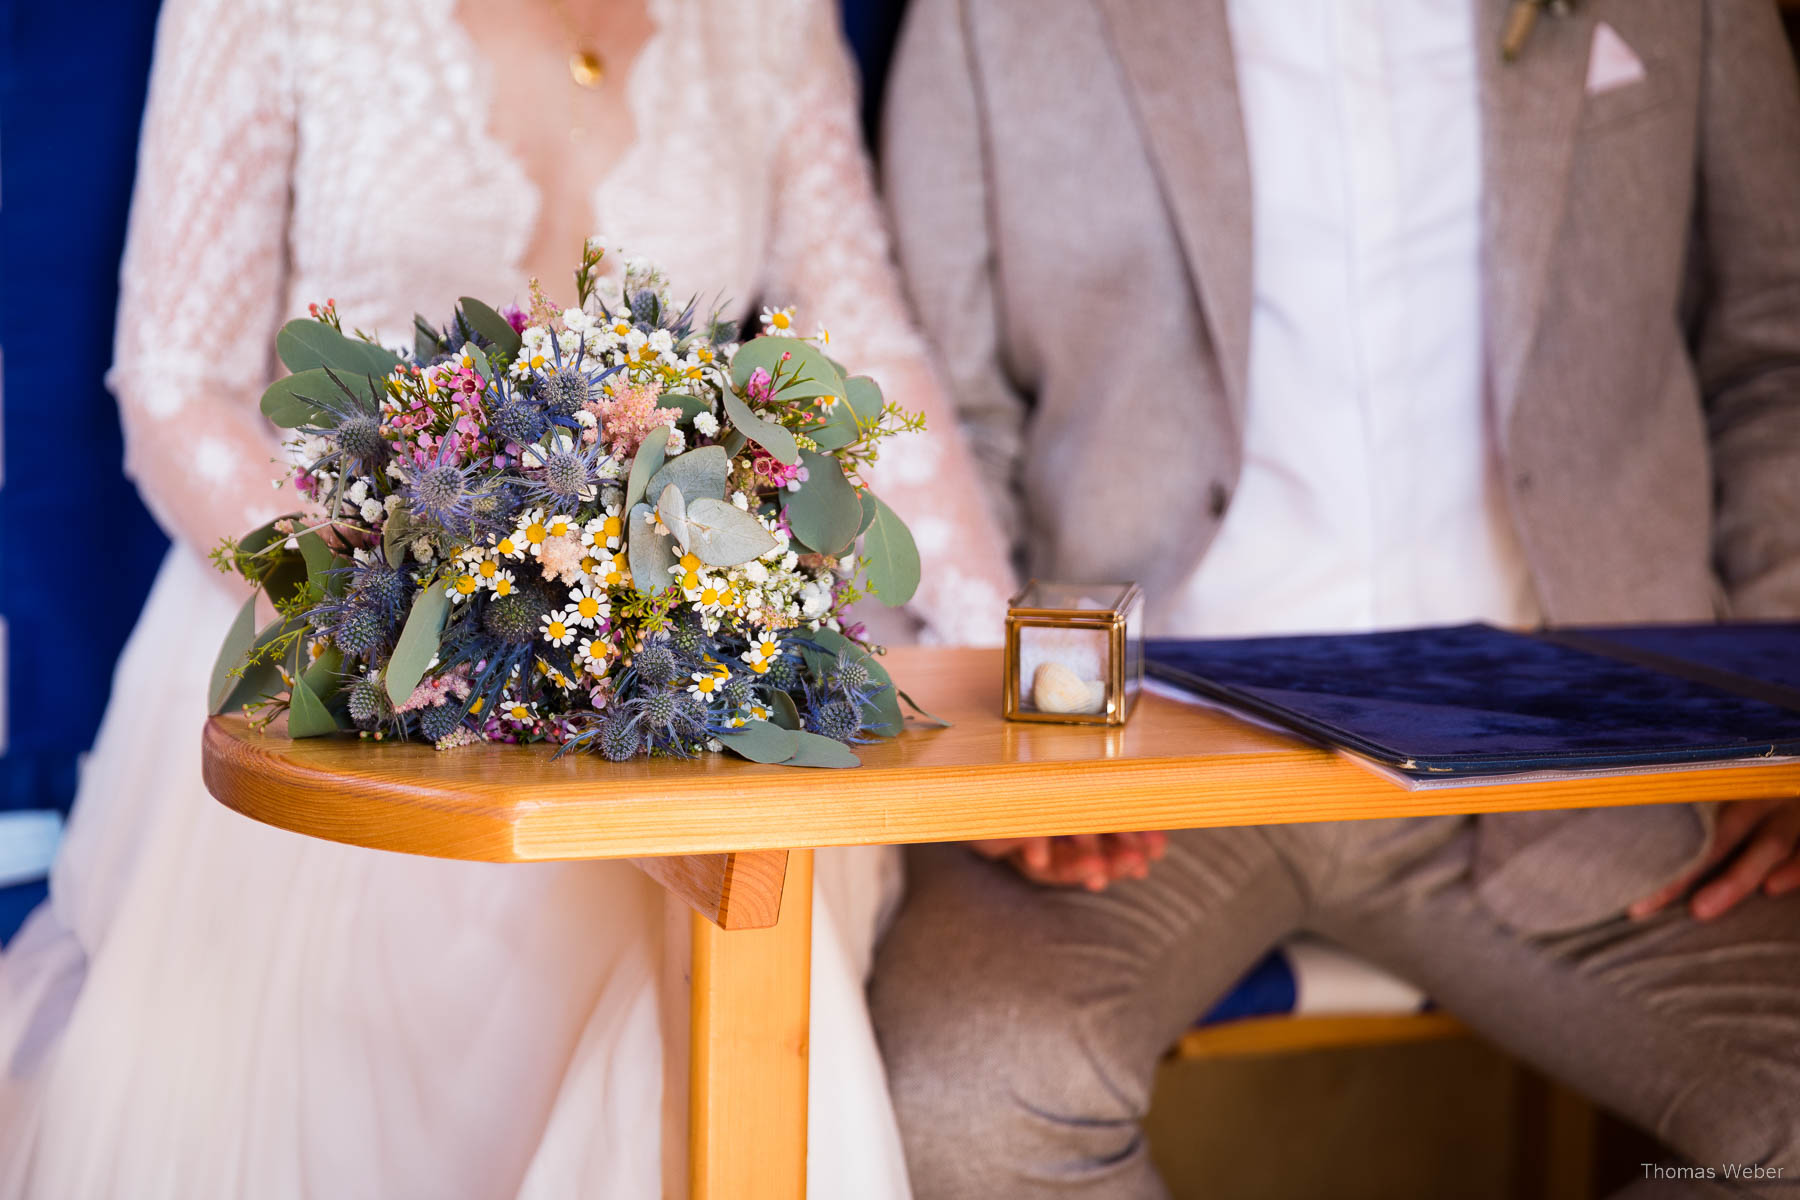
x,y
1140,364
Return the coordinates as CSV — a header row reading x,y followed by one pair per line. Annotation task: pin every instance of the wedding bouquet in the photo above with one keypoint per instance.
x,y
609,527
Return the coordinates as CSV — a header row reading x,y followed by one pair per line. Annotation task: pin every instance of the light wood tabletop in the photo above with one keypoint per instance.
x,y
1174,766
734,841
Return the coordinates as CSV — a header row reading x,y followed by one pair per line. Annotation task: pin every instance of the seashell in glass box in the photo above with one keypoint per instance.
x,y
1074,652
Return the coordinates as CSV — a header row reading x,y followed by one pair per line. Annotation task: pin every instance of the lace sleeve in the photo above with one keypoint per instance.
x,y
830,257
202,278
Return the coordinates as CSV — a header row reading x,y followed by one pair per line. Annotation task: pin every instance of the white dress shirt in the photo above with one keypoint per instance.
x,y
1370,496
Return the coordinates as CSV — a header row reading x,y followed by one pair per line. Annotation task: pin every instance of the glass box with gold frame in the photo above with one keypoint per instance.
x,y
1074,652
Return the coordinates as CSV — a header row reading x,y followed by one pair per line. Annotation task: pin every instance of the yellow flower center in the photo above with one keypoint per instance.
x,y
535,533
488,569
588,607
781,320
503,587
466,584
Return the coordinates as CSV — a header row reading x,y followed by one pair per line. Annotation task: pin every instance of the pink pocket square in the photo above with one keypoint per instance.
x,y
1612,64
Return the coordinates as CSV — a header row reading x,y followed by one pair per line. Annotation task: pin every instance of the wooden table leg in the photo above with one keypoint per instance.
x,y
751,1004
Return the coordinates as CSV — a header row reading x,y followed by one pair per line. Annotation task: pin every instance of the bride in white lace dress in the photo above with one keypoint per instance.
x,y
211,1008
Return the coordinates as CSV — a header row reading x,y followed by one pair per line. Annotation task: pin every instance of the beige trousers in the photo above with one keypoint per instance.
x,y
1022,1025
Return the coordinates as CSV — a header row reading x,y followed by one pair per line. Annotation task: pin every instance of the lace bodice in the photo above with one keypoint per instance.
x,y
343,148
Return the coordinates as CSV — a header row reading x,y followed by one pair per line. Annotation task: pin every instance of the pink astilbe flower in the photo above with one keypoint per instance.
x,y
627,415
439,690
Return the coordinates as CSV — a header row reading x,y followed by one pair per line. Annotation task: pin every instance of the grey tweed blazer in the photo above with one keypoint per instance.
x,y
1070,188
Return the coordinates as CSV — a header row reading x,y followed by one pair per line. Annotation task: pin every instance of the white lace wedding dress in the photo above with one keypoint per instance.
x,y
211,1008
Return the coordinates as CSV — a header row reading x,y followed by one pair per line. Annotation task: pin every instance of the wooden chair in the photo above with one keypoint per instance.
x,y
1554,1128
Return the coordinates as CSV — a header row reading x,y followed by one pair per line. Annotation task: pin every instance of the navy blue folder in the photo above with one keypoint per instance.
x,y
1476,700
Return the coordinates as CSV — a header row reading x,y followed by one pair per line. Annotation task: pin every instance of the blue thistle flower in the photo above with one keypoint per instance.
x,y
619,738
351,426
385,589
564,471
838,720
657,662
448,495
520,420
837,698
369,705
440,720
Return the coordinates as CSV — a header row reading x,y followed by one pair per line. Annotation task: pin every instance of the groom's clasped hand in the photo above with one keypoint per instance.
x,y
1089,860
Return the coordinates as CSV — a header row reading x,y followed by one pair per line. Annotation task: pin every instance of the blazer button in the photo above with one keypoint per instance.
x,y
1218,499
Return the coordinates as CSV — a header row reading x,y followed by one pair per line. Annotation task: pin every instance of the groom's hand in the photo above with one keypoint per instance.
x,y
1762,838
1089,860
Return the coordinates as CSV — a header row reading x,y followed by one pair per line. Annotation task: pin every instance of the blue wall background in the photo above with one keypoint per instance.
x,y
71,90
72,81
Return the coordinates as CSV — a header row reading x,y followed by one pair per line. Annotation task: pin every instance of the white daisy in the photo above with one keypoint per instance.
x,y
588,606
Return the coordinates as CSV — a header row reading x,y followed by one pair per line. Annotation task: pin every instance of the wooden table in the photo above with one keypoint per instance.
x,y
735,840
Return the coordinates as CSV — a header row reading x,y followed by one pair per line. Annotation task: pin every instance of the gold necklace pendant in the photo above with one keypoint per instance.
x,y
587,68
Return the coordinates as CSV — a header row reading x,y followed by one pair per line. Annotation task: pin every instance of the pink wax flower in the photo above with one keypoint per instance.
x,y
773,473
517,317
467,384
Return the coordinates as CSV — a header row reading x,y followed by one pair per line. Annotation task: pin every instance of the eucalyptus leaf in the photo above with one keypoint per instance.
x,y
261,679
323,675
734,442
844,425
864,395
264,535
479,357
783,711
767,434
869,510
648,462
690,406
305,344
285,580
650,553
396,538
759,741
427,342
817,750
893,570
826,512
238,640
723,535
490,325
293,400
697,473
915,706
307,714
806,373
418,643
671,510
836,432
321,562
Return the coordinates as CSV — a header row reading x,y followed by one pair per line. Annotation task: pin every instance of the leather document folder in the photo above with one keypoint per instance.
x,y
1474,700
